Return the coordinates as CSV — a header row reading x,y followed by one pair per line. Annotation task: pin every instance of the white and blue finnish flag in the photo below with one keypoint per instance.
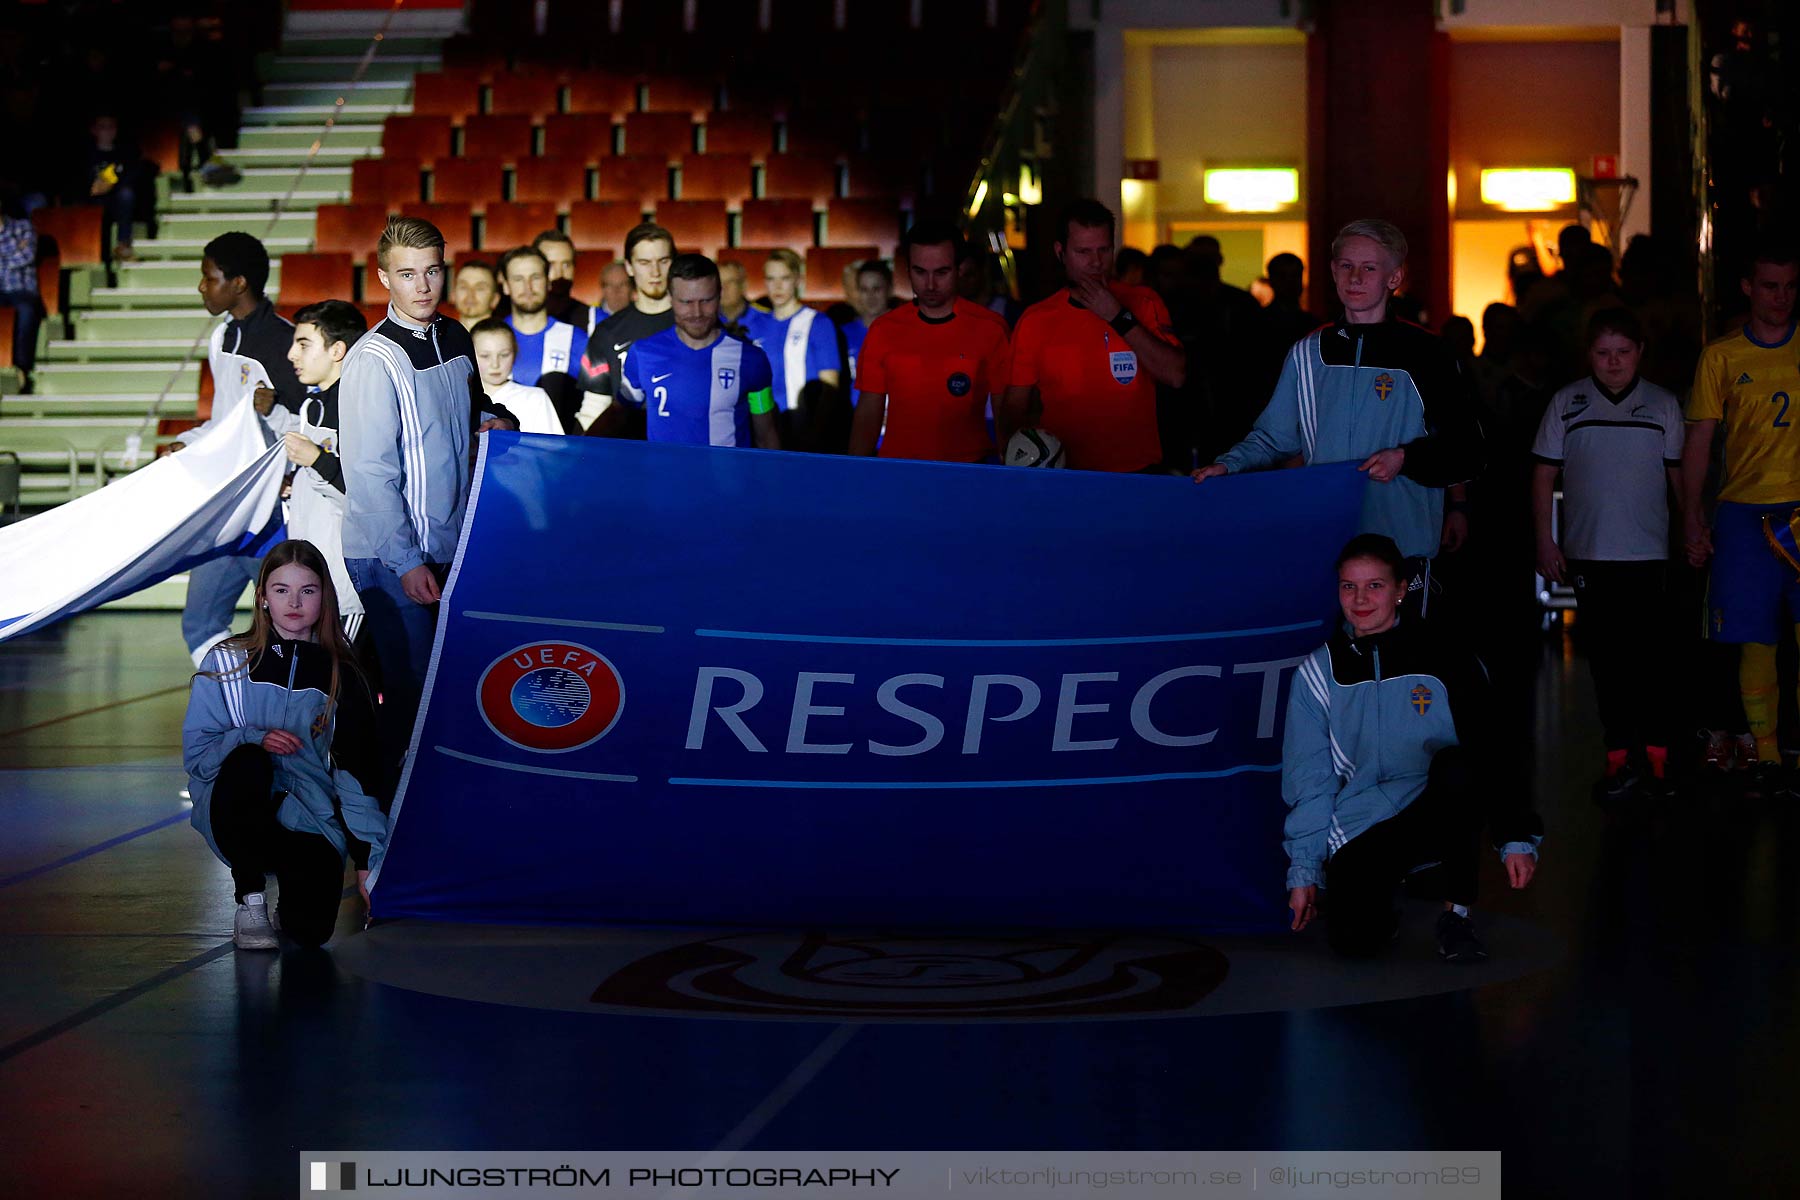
x,y
213,497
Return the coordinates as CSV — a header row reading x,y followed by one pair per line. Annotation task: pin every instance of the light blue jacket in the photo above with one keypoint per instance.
x,y
228,708
1365,718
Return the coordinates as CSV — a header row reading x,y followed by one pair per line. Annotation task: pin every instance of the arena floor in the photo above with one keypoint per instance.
x,y
1634,1032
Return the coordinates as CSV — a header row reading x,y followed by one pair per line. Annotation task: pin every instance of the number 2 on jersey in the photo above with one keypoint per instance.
x,y
662,402
1781,421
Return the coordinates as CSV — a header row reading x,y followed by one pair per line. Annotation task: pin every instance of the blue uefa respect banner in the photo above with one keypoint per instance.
x,y
701,686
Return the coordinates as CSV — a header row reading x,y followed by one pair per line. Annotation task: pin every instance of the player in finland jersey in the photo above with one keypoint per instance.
x,y
1747,381
695,382
800,341
930,367
546,345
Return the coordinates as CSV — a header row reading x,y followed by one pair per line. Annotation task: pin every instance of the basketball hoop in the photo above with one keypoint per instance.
x,y
1607,202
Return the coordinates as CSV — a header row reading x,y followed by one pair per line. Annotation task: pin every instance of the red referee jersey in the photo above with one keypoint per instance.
x,y
937,376
1098,399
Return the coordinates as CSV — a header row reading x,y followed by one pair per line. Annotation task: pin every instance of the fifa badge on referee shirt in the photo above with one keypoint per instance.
x,y
1124,366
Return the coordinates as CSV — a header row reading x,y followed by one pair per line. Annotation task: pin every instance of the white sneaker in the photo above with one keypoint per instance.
x,y
252,930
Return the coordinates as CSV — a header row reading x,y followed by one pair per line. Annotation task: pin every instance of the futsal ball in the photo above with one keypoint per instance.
x,y
1035,448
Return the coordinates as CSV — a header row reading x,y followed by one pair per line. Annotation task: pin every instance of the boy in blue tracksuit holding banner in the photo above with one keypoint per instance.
x,y
1378,392
1385,773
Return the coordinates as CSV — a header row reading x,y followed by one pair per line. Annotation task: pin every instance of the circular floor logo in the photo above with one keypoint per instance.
x,y
551,696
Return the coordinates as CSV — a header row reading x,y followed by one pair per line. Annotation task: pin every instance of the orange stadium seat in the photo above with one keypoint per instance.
x,y
558,181
602,93
586,285
603,223
350,227
452,92
378,181
309,278
49,276
529,95
716,177
800,177
751,258
777,223
864,222
473,181
699,226
6,335
586,136
751,133
679,94
670,134
868,177
375,312
76,228
825,269
455,221
507,138
639,179
418,140
826,136
509,225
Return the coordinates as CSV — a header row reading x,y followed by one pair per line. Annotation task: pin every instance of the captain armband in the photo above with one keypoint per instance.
x,y
762,401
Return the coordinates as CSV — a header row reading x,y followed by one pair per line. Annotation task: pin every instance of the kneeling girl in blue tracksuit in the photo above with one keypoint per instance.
x,y
280,729
1385,771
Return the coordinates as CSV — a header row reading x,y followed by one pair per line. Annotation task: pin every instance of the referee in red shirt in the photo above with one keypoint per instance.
x,y
928,368
1086,362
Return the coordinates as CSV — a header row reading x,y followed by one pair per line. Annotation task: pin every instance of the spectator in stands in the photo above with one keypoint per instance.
x,y
649,249
248,357
18,279
871,295
734,298
496,348
558,250
696,382
1616,441
1378,392
323,335
1086,361
616,293
410,395
802,348
1387,770
109,178
928,370
476,295
975,282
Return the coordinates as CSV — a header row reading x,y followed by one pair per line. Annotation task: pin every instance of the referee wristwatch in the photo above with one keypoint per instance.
x,y
1124,323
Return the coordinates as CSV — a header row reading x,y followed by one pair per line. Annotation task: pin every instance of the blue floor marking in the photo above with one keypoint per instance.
x,y
96,848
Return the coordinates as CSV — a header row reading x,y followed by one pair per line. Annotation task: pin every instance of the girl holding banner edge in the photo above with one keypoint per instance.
x,y
1384,770
280,728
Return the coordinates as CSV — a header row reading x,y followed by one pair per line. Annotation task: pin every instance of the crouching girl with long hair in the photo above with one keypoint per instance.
x,y
280,731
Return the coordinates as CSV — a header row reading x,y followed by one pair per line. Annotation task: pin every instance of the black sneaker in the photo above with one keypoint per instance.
x,y
1456,939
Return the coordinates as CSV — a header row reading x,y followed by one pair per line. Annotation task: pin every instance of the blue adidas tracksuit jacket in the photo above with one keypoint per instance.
x,y
1365,718
1347,391
286,688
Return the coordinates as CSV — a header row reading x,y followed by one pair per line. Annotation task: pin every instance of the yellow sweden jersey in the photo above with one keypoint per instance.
x,y
1755,390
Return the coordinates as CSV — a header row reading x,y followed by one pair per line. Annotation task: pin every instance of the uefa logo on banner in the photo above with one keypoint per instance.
x,y
551,697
